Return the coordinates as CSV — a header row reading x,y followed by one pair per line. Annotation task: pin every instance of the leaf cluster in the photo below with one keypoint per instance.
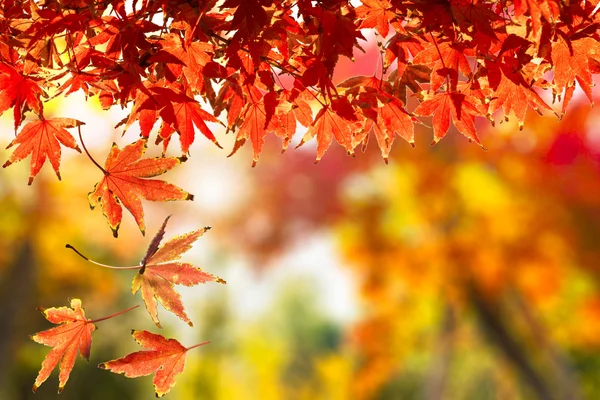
x,y
157,273
260,67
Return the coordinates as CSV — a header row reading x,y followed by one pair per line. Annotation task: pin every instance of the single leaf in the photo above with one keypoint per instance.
x,y
165,358
42,139
180,114
446,60
511,91
125,183
73,335
20,92
386,112
570,59
333,120
445,106
188,60
376,14
159,272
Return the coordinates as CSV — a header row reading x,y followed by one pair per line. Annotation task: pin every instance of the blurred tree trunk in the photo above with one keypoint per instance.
x,y
435,384
17,299
499,334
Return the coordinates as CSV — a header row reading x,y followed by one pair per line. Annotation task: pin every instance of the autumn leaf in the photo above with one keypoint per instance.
x,y
20,92
570,59
124,183
376,14
446,60
386,113
188,60
73,335
165,358
511,91
447,106
336,120
42,139
159,271
180,113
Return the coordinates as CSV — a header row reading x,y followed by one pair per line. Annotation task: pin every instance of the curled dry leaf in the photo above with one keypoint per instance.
x,y
159,271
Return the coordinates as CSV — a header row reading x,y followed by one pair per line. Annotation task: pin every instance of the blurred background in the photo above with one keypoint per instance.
x,y
451,273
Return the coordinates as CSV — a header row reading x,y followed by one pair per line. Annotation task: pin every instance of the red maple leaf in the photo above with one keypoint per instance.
x,y
376,14
125,183
336,120
446,60
180,113
446,106
292,108
20,92
73,335
386,113
184,58
257,120
42,139
164,357
511,91
571,60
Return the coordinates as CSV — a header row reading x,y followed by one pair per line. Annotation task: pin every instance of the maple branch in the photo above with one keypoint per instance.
x,y
197,345
90,157
114,315
68,246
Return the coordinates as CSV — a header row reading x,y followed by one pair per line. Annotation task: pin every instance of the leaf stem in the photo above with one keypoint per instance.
x,y
198,345
88,153
114,315
68,246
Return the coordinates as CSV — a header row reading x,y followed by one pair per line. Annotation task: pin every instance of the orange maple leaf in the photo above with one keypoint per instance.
x,y
165,358
159,272
124,183
72,336
42,140
376,14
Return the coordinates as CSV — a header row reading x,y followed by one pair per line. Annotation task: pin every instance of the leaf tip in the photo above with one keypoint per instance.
x,y
102,366
222,281
189,197
34,388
